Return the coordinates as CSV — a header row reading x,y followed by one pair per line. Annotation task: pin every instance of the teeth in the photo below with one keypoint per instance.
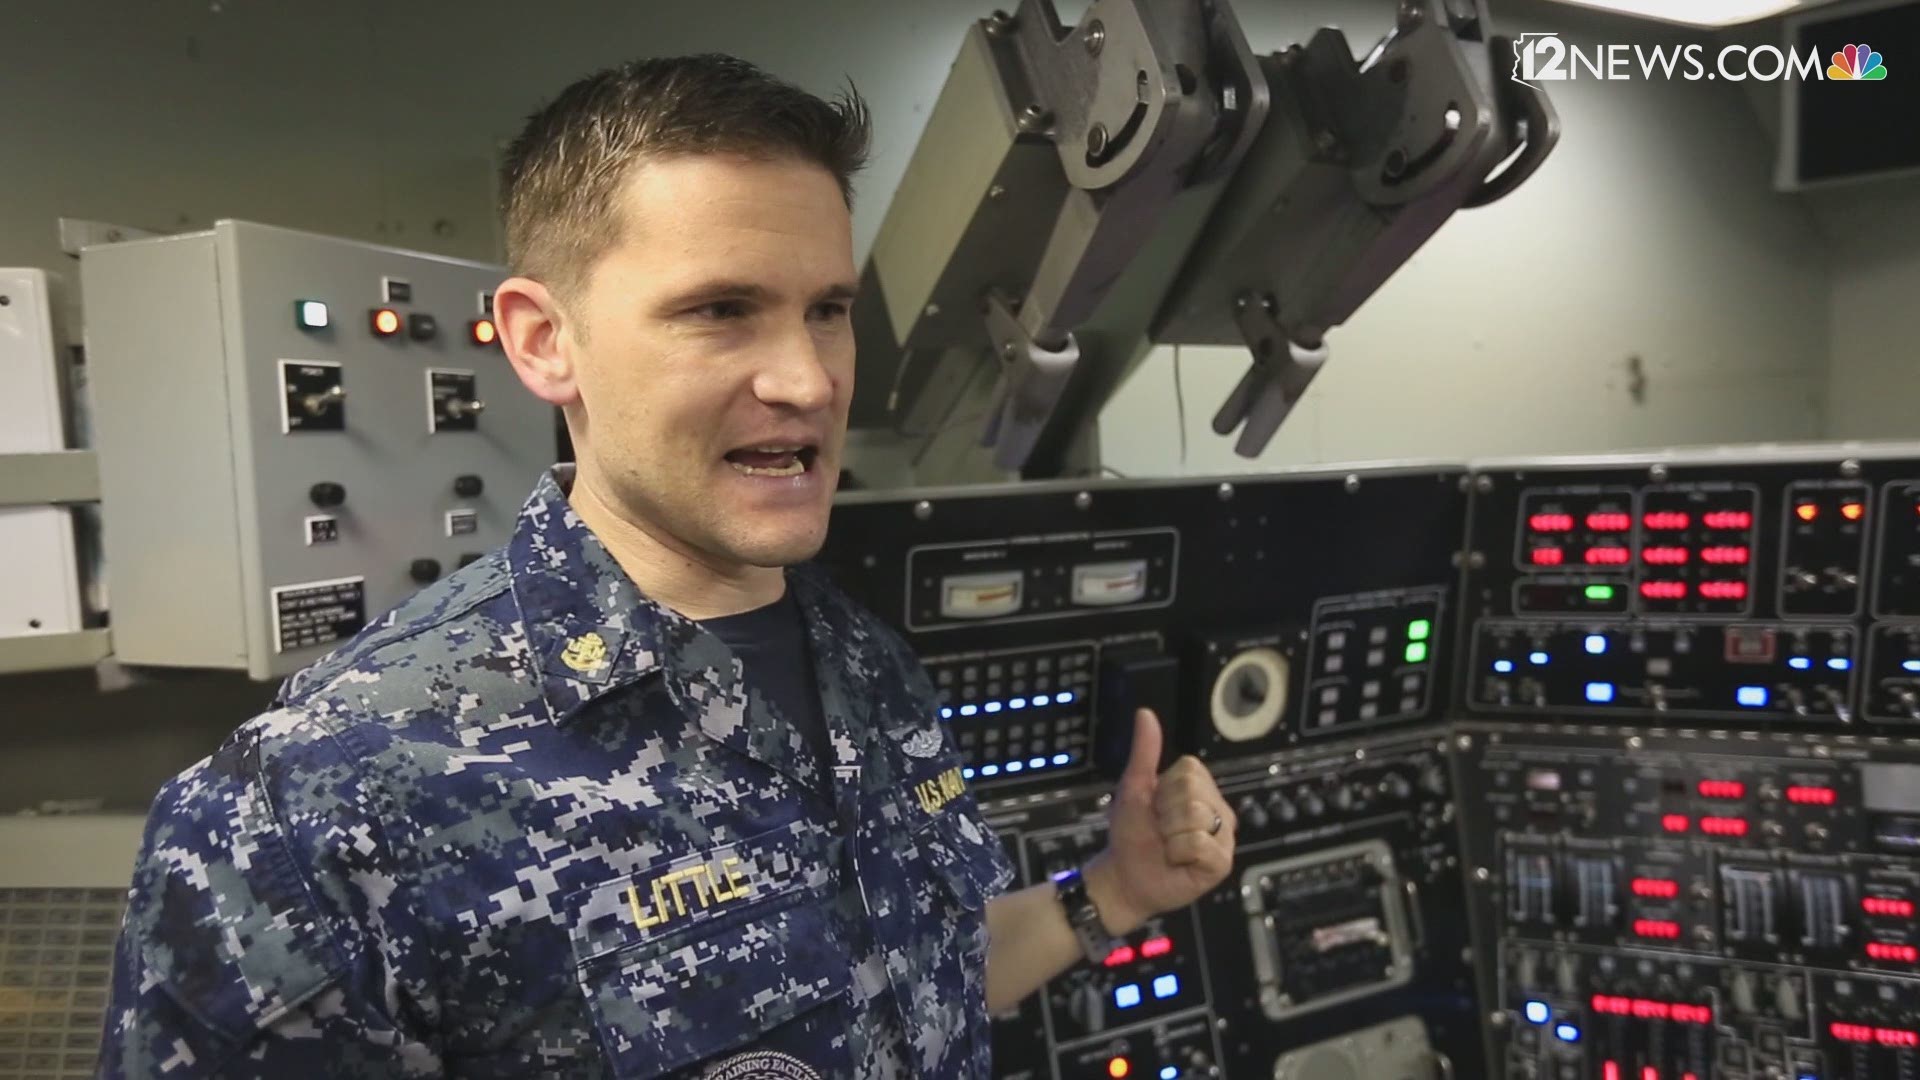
x,y
791,468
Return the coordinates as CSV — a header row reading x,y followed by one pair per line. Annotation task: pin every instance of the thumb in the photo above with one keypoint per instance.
x,y
1143,764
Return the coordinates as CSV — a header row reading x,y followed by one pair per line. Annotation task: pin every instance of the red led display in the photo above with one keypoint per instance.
x,y
1608,556
1548,556
1666,520
1722,789
1723,826
1610,1070
1887,907
1728,519
1551,523
1664,590
1648,1072
1887,950
1857,1033
1725,556
1120,956
1156,947
1811,796
1675,823
1723,590
1665,556
1645,1009
1861,1033
1609,521
1656,888
1656,928
1895,1037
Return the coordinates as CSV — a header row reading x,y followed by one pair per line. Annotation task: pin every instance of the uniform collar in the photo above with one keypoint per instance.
x,y
592,631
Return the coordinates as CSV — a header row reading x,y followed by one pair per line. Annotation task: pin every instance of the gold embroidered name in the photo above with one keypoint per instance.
x,y
936,793
713,884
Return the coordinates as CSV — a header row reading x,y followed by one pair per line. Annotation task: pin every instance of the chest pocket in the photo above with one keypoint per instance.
x,y
727,964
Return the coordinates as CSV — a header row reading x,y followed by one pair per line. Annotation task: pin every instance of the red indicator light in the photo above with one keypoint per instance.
x,y
1675,823
385,321
1119,956
1156,947
1725,556
484,332
1664,590
1651,1010
1655,928
1665,556
1548,556
1610,1070
1118,1068
1895,1037
1806,511
1723,826
1551,523
1728,519
1666,520
1648,1072
1608,521
1884,950
1853,511
1887,907
1722,789
1811,796
1851,1032
1612,1006
1656,888
1723,590
1608,556
1693,1014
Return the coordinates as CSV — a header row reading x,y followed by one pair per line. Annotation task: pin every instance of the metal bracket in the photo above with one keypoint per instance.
x,y
1032,378
1277,379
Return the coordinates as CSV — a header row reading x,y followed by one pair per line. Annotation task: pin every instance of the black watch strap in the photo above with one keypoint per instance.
x,y
1095,942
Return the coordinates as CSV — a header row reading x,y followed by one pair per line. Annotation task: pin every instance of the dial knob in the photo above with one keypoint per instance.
x,y
468,486
424,570
1252,814
1312,805
1395,786
459,407
1282,809
326,494
315,404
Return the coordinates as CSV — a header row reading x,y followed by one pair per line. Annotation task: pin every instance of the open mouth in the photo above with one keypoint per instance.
x,y
773,460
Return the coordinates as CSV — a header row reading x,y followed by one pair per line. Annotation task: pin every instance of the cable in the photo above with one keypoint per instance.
x,y
1180,408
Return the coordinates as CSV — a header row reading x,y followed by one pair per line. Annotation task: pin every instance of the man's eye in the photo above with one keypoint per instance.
x,y
830,310
722,309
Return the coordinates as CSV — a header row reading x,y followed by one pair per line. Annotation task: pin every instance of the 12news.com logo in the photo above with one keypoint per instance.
x,y
1547,57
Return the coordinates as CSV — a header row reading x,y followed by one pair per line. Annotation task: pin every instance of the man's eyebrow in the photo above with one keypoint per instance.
x,y
718,289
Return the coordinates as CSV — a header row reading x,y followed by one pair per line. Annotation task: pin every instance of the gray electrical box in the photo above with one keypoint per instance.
x,y
295,432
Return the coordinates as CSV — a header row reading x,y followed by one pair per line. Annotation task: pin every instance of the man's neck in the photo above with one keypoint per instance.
x,y
669,572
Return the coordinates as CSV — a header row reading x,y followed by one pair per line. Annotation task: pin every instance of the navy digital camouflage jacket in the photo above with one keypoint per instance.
x,y
530,823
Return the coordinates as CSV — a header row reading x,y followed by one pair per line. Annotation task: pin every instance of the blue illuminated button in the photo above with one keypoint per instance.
x,y
966,774
946,713
1800,663
1166,986
1503,666
1037,763
1017,703
1126,997
1041,699
1752,697
989,770
1064,697
1014,766
1171,1072
1600,693
968,710
993,706
1596,644
1911,665
1538,658
1839,663
1567,1033
1538,1012
1061,759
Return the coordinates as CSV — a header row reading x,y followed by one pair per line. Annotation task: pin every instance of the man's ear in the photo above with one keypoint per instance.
x,y
533,332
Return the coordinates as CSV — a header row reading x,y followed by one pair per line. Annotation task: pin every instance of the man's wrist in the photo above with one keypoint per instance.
x,y
1117,914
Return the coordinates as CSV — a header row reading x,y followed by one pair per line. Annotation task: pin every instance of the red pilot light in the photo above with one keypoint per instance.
x,y
483,331
1888,951
1609,521
1723,826
1656,888
1725,556
1806,795
1608,556
1675,823
1723,789
1807,511
1665,929
1551,523
1648,1072
1156,947
1723,590
1665,556
1895,1037
1664,590
1853,511
1728,519
1858,1033
1610,1070
1666,520
1548,556
385,321
1887,907
1120,956
1118,1068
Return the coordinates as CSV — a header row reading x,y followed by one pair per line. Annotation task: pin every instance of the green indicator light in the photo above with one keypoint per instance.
x,y
1418,630
1417,652
1599,592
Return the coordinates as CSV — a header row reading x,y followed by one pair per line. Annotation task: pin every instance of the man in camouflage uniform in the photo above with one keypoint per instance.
x,y
639,794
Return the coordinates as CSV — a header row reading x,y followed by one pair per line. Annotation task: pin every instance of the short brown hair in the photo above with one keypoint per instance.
x,y
561,176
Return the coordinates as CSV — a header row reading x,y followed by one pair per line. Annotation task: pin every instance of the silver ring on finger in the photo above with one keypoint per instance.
x,y
1218,823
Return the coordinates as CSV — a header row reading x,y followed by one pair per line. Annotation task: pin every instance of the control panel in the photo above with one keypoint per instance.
x,y
294,433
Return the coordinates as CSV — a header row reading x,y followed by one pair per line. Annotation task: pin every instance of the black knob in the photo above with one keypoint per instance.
x,y
1396,786
1252,814
468,486
1283,809
424,570
1434,780
326,494
1313,804
1343,798
422,327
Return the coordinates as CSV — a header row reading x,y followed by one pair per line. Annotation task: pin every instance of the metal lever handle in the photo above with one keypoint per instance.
x,y
1517,99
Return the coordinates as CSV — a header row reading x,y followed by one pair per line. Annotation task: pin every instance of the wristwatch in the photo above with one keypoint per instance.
x,y
1071,888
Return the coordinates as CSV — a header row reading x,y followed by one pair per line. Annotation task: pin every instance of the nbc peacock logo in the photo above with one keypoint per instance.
x,y
1856,63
